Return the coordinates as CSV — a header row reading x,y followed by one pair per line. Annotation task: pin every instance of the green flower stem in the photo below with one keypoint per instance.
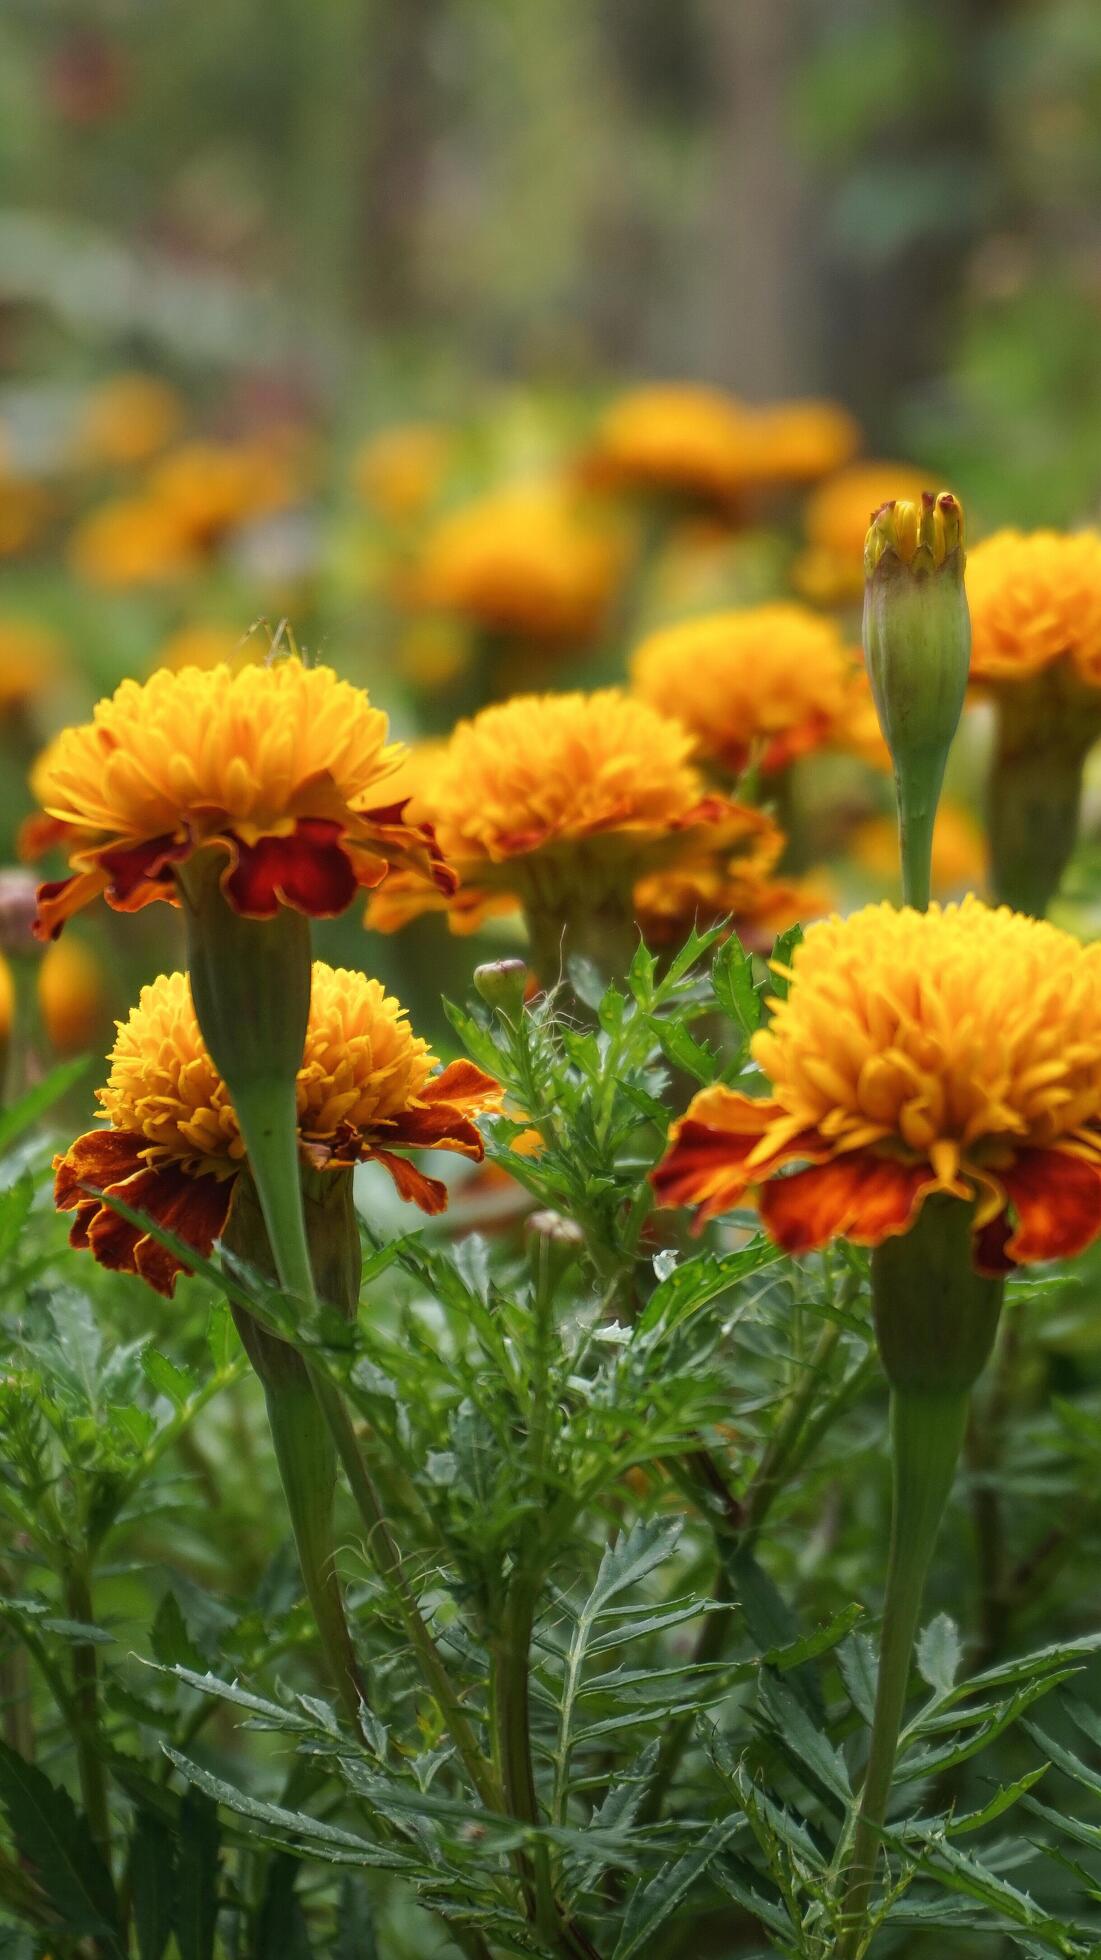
x,y
927,1431
917,798
85,1703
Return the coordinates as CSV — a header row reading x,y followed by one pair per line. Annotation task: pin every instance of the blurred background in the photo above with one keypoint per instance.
x,y
290,293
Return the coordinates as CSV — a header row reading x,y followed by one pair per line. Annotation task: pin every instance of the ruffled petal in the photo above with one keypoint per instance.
x,y
427,1192
1057,1201
110,1161
309,870
860,1197
464,1083
707,1162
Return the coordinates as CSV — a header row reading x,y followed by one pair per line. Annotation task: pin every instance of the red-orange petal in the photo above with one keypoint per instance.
x,y
1057,1201
308,870
706,1162
110,1161
58,901
462,1082
427,1192
860,1197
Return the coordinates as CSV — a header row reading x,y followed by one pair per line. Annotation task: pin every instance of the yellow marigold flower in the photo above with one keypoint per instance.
x,y
131,541
959,851
278,767
736,884
30,657
206,645
25,507
769,682
71,996
1035,600
530,562
956,1050
550,797
400,471
7,1004
674,439
127,420
799,441
836,516
213,487
367,1087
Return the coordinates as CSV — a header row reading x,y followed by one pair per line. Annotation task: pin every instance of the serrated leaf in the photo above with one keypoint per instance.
x,y
655,1899
782,953
165,1378
810,1752
53,1838
152,1870
680,1047
324,1840
169,1638
735,987
939,1652
859,1668
195,1911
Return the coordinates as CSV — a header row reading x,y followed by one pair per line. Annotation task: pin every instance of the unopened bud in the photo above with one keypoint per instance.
x,y
18,907
554,1228
502,984
917,647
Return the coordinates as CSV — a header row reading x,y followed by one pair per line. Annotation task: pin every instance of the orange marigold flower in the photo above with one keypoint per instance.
x,y
531,561
127,420
30,657
71,996
1035,601
131,541
736,885
400,471
836,516
25,507
798,441
769,683
674,439
211,488
552,798
278,767
367,1088
954,1050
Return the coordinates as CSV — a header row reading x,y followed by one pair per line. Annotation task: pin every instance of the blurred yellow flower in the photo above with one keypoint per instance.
x,y
400,471
768,683
531,561
556,799
205,645
675,439
798,442
1035,600
131,541
71,996
25,507
30,659
836,516
127,420
735,882
212,487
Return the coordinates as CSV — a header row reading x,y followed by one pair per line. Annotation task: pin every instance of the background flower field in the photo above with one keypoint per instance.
x,y
543,364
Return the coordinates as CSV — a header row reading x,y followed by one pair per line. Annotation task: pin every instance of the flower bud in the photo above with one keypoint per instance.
x,y
502,984
917,647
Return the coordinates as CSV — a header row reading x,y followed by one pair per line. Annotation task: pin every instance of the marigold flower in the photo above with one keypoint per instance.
x,y
71,997
127,420
676,440
771,682
738,886
400,471
954,1051
276,767
131,541
530,561
30,657
556,799
25,507
830,569
1035,601
367,1088
211,488
798,441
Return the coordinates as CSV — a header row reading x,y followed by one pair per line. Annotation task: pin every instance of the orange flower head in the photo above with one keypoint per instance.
x,y
25,509
367,1088
211,488
736,882
830,569
280,768
131,541
769,683
71,996
550,796
798,442
675,440
30,657
1035,602
531,562
400,471
127,420
956,1050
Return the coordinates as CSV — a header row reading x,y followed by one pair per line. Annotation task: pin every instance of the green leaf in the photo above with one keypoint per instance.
x,y
222,1338
165,1378
655,1899
26,1112
324,1840
53,1839
939,1652
153,1881
15,1209
169,1638
781,956
280,1931
681,1048
810,1752
195,1913
355,1939
1001,1801
735,987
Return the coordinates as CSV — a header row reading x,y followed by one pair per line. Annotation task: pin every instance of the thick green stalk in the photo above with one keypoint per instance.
x,y
927,1431
917,796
